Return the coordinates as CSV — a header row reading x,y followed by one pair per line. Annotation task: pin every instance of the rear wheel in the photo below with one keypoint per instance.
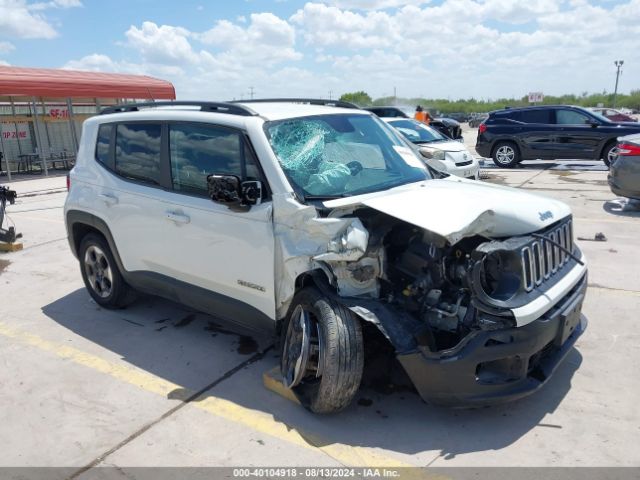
x,y
608,155
101,275
322,354
506,155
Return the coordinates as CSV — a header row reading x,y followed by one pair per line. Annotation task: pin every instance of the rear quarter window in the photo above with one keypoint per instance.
x,y
103,142
536,116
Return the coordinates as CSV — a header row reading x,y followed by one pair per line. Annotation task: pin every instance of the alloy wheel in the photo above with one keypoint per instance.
x,y
505,154
98,271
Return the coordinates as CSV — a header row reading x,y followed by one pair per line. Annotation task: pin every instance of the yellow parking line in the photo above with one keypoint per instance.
x,y
348,455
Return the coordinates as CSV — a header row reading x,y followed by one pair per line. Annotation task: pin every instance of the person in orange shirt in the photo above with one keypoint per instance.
x,y
422,115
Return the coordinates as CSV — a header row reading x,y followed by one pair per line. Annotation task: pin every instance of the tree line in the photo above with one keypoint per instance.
x,y
471,105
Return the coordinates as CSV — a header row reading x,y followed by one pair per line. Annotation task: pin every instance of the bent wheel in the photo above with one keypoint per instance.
x,y
322,354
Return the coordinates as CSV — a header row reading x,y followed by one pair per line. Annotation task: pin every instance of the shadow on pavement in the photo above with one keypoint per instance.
x,y
193,349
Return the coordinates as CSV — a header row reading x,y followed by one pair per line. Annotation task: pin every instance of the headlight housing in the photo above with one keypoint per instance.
x,y
501,275
432,153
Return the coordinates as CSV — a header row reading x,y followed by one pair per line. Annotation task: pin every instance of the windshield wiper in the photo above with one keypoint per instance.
x,y
323,197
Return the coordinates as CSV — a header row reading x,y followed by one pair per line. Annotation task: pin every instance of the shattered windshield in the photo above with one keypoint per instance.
x,y
329,156
417,132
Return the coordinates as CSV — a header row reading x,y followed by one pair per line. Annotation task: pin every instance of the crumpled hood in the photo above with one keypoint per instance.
x,y
455,208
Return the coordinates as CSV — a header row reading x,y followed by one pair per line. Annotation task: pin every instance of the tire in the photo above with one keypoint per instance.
x,y
325,375
101,274
607,158
506,155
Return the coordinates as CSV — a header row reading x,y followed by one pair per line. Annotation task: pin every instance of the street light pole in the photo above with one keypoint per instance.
x,y
618,64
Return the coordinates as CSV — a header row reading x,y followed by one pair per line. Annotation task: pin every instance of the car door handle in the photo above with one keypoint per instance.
x,y
108,199
177,217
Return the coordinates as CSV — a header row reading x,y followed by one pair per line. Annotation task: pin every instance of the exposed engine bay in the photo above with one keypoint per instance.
x,y
450,290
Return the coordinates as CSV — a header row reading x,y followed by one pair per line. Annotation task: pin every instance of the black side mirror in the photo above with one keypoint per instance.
x,y
224,189
228,189
593,123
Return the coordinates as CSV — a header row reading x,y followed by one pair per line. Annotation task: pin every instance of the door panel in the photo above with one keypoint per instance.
x,y
575,137
208,245
538,133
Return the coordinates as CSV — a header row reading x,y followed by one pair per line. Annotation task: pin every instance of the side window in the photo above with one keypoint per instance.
x,y
200,150
571,117
536,116
138,151
103,142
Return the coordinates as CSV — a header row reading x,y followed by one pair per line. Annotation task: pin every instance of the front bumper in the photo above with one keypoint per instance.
x,y
470,171
501,365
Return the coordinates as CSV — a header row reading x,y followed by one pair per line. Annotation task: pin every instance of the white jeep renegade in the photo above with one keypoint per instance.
x,y
315,220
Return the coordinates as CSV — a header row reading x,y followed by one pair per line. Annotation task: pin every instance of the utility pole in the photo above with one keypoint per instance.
x,y
330,93
618,64
251,92
395,97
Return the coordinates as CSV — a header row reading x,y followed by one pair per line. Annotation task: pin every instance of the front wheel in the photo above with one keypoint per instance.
x,y
506,155
322,354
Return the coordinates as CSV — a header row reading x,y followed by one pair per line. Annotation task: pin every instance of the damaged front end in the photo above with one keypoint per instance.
x,y
477,321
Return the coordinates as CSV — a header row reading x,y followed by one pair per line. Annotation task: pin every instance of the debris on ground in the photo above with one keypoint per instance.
x,y
598,237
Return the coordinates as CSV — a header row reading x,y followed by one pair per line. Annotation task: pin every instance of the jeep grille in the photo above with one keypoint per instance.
x,y
542,259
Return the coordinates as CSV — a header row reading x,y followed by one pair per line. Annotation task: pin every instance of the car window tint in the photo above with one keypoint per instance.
x,y
138,151
535,116
200,150
102,144
571,117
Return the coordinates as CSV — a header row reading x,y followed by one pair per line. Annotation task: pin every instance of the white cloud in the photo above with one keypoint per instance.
x,y
161,44
97,62
267,39
374,4
4,64
452,48
330,26
17,20
55,4
6,47
519,12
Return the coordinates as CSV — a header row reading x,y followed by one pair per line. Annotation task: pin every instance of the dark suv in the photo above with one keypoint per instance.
x,y
548,132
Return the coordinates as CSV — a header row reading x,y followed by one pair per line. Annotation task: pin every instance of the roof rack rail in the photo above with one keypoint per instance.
x,y
310,101
216,107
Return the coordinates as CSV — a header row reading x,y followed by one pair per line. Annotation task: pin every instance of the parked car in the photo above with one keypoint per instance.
x,y
448,127
548,132
624,173
477,118
452,128
311,221
439,151
460,117
613,114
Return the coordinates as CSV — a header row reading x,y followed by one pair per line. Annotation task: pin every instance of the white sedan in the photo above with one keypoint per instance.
x,y
439,151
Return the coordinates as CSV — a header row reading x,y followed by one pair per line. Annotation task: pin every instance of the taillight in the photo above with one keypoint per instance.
x,y
482,128
68,182
628,150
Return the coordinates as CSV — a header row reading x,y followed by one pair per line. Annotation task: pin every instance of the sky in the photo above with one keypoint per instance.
x,y
221,50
